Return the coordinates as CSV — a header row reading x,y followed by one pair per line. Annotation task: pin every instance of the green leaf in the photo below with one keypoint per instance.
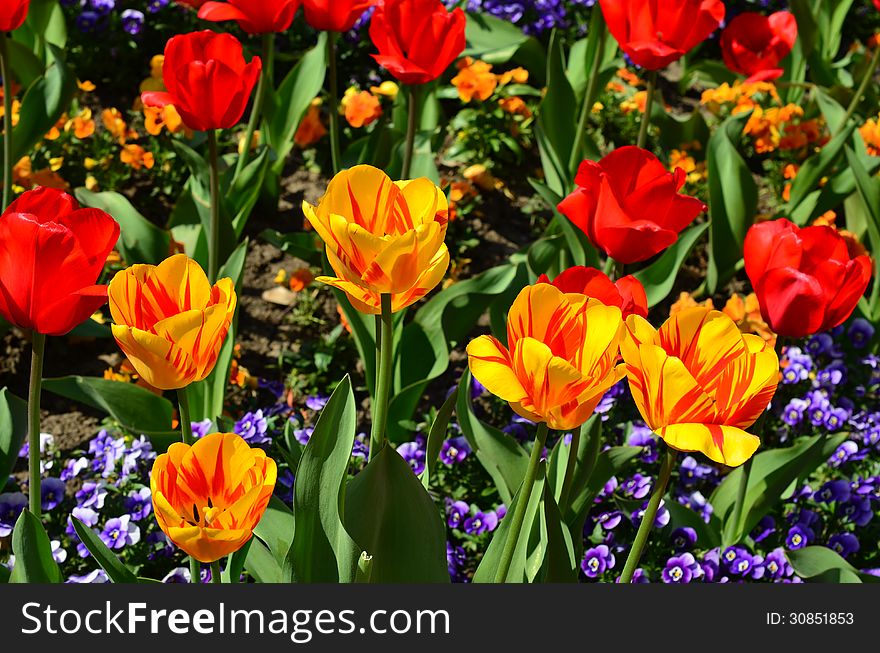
x,y
322,550
301,244
26,66
286,107
659,277
116,570
437,434
276,530
244,190
821,564
391,517
13,431
140,241
869,192
33,552
733,201
137,410
555,124
261,564
816,167
235,564
492,39
560,562
498,452
771,474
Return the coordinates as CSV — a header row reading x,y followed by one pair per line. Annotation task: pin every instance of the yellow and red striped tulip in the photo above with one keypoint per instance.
x,y
560,356
699,382
208,497
170,321
382,237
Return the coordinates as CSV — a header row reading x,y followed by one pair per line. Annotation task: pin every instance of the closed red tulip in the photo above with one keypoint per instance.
x,y
12,14
654,33
877,4
417,39
807,280
754,44
335,15
628,204
207,78
51,254
627,293
263,17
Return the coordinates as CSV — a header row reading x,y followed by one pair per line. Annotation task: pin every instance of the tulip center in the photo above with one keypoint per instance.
x,y
206,515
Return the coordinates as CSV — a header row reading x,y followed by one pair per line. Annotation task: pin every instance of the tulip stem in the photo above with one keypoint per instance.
x,y
570,464
522,504
186,435
649,105
384,370
216,573
857,98
410,144
596,22
335,148
259,99
6,73
214,236
34,391
638,547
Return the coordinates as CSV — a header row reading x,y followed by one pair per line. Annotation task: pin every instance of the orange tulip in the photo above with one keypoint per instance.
x,y
208,497
560,356
170,322
699,382
382,237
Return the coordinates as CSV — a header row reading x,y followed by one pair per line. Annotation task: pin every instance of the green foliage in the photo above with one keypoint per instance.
x,y
13,430
33,552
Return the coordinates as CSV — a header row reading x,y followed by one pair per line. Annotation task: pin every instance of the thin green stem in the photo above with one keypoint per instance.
x,y
378,353
34,391
378,432
216,572
570,464
214,236
522,505
649,105
186,435
857,98
335,147
638,547
6,73
608,268
410,143
618,271
589,96
259,99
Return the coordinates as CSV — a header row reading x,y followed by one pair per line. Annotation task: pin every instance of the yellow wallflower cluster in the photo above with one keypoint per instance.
x,y
870,132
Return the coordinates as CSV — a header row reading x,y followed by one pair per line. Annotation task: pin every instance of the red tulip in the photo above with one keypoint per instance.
x,y
12,14
654,33
807,280
193,4
261,17
628,204
417,39
754,44
627,294
877,4
51,254
335,15
207,79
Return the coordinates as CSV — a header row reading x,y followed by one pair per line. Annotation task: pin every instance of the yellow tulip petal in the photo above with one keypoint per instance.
x,y
491,364
604,331
363,194
723,444
746,387
546,314
422,203
180,280
638,331
160,363
549,381
664,391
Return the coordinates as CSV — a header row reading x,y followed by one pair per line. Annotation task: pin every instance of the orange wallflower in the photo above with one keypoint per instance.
x,y
361,108
515,105
311,129
686,301
82,125
301,279
638,102
870,132
209,497
136,157
518,75
746,313
474,80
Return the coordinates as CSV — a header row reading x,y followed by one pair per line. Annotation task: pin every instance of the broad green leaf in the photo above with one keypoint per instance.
x,y
391,516
301,244
498,452
137,410
140,240
560,564
26,66
235,564
733,201
33,552
244,190
276,530
261,564
556,121
13,431
821,564
659,277
322,550
869,192
115,568
286,106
